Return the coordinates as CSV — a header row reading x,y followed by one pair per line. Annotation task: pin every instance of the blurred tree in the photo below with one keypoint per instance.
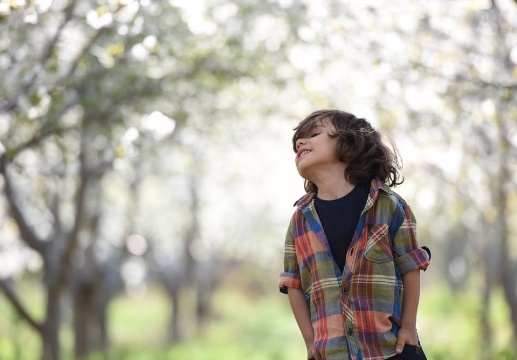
x,y
441,78
232,63
82,77
479,97
504,181
64,109
453,90
116,116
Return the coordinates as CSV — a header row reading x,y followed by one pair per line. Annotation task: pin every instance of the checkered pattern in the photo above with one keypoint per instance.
x,y
355,311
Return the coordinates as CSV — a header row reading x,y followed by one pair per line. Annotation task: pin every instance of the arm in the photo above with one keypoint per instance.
x,y
303,319
407,333
410,260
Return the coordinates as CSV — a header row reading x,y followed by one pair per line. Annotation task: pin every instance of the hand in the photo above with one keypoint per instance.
x,y
406,336
312,353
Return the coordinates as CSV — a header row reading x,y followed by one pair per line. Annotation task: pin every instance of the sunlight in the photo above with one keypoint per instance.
x,y
136,244
194,13
158,124
99,18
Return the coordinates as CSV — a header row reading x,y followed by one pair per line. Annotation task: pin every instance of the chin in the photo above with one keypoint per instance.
x,y
302,172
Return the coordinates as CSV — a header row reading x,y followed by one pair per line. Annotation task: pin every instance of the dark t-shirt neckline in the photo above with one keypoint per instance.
x,y
339,219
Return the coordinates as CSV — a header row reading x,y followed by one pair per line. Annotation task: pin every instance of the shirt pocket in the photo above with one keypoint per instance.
x,y
378,246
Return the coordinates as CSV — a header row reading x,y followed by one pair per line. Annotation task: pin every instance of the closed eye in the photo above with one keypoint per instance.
x,y
315,134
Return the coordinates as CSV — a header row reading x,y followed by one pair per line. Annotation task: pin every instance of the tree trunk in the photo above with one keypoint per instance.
x,y
87,334
203,300
175,334
92,292
507,267
208,276
172,278
50,333
491,259
504,180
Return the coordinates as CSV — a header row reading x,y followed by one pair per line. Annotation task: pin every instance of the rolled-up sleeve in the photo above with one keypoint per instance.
x,y
408,255
290,277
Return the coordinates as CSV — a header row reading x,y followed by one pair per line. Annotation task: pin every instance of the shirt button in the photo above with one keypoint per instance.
x,y
350,332
345,290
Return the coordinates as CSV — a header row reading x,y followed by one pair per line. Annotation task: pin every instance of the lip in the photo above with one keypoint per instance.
x,y
302,151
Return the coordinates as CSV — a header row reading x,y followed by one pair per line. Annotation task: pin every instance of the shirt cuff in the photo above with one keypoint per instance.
x,y
289,280
416,259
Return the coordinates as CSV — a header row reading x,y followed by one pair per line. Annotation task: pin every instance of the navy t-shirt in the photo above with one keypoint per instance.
x,y
339,219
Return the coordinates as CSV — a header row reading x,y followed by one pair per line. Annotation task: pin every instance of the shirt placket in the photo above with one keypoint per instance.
x,y
350,333
309,212
315,226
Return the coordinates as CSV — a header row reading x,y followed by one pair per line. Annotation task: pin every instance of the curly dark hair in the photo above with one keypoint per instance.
x,y
360,146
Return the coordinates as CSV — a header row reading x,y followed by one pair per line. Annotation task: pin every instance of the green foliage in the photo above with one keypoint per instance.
x,y
17,341
506,354
433,77
449,325
246,325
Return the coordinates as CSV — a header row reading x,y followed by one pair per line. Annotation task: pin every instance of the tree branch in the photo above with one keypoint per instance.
x,y
27,233
6,287
462,78
80,207
44,131
46,54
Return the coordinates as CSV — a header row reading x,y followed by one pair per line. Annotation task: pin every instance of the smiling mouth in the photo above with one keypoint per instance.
x,y
304,152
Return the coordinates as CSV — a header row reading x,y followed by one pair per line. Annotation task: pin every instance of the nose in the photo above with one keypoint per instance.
x,y
300,142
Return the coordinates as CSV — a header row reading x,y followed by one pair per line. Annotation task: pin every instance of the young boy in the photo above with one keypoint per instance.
x,y
351,263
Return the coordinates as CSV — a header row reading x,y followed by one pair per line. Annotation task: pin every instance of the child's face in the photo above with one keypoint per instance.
x,y
316,150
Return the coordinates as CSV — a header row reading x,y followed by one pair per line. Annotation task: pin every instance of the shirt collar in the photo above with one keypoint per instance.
x,y
375,186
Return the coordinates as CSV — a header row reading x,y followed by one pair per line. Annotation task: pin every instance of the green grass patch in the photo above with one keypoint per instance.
x,y
449,326
257,325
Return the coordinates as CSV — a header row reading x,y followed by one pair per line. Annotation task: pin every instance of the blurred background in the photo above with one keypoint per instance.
x,y
147,175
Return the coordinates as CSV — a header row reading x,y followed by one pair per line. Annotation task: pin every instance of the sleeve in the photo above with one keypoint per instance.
x,y
408,254
290,277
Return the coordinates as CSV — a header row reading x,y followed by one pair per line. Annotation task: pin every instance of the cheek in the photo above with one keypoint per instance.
x,y
336,150
301,169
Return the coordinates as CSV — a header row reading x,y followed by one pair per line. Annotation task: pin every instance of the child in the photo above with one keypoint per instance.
x,y
351,263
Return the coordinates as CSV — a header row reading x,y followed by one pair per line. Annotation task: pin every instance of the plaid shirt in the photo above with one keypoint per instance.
x,y
355,312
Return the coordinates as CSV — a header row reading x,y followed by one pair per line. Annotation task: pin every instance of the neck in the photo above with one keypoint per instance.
x,y
333,187
330,181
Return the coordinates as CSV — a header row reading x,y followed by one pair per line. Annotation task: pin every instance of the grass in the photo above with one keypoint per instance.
x,y
449,326
243,327
255,326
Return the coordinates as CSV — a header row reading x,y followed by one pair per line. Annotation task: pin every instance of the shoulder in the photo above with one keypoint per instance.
x,y
299,205
392,199
385,195
389,205
304,200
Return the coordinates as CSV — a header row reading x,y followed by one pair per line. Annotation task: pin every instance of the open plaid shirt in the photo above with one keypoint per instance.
x,y
355,311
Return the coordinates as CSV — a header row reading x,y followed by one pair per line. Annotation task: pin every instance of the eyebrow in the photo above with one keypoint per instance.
x,y
307,131
315,127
